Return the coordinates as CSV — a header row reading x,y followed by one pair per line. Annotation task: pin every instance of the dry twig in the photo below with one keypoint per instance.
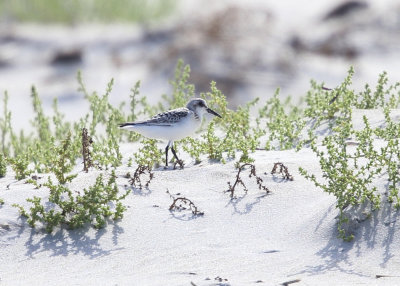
x,y
86,142
283,170
182,203
136,179
240,181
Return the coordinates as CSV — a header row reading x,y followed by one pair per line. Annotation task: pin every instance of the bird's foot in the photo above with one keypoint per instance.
x,y
180,163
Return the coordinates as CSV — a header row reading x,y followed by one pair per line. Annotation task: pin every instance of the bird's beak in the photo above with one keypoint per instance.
x,y
209,110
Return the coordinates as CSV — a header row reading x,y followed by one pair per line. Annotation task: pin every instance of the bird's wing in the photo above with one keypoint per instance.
x,y
167,118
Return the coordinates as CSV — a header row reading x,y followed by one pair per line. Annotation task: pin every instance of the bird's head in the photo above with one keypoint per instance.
x,y
199,106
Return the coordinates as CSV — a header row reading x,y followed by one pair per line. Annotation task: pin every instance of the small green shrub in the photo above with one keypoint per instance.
x,y
41,122
3,165
12,144
105,152
332,106
133,112
105,146
61,127
20,166
349,177
285,128
64,160
384,95
5,126
149,154
182,90
74,209
389,158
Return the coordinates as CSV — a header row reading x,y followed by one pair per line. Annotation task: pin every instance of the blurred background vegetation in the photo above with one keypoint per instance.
x,y
249,48
78,11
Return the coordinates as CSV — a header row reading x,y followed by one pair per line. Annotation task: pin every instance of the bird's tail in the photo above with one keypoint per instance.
x,y
127,124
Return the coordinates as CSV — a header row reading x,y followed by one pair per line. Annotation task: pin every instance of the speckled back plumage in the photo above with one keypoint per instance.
x,y
166,118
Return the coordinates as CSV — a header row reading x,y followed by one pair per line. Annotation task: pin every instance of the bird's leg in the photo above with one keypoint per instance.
x,y
173,152
166,155
180,162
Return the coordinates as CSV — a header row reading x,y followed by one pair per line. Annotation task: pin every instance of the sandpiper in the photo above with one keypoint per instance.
x,y
172,125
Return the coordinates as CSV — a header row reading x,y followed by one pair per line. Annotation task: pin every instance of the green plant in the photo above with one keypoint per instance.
x,y
106,152
5,126
149,154
60,126
3,165
20,166
98,105
349,177
64,160
74,209
133,112
384,95
11,143
389,158
41,122
42,149
285,128
333,106
105,147
182,90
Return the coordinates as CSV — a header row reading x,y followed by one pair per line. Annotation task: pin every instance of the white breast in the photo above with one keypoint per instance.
x,y
176,131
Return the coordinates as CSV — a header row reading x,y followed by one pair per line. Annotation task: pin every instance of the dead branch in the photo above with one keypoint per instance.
x,y
182,203
87,156
239,180
283,170
136,180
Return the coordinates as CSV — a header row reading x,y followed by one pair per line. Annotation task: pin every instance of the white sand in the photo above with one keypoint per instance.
x,y
287,235
270,239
